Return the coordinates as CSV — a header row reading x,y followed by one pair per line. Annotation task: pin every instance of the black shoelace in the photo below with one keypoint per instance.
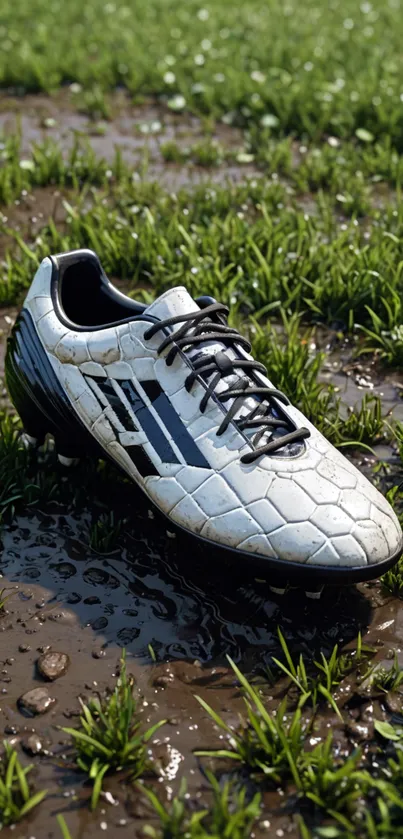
x,y
198,328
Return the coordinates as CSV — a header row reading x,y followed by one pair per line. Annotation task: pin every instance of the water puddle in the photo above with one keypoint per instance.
x,y
138,131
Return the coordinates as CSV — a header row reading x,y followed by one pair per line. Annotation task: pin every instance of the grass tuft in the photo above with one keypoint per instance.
x,y
16,796
333,786
109,737
230,814
105,532
388,678
392,581
327,672
268,745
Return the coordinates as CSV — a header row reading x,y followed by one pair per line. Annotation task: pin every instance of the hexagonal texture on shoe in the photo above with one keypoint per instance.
x,y
172,395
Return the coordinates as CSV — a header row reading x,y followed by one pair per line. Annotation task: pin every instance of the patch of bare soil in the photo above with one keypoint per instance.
x,y
138,131
29,213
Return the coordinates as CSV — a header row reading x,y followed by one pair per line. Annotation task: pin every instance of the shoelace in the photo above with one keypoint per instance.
x,y
198,328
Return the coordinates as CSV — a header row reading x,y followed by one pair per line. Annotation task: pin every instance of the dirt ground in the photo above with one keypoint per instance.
x,y
137,131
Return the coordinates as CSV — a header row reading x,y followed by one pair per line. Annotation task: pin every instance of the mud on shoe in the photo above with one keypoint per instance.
x,y
170,393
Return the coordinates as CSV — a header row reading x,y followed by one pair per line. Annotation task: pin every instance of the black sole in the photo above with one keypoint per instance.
x,y
45,409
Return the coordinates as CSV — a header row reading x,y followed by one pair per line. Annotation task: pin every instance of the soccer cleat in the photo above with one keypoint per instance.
x,y
170,393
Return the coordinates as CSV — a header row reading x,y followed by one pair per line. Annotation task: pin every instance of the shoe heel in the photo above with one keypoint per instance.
x,y
33,421
38,395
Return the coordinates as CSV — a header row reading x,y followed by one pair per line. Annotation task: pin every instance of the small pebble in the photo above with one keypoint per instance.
x,y
24,648
394,702
162,681
32,745
53,665
36,701
12,729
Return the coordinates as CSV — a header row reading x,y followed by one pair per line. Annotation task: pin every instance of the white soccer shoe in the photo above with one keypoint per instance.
x,y
170,393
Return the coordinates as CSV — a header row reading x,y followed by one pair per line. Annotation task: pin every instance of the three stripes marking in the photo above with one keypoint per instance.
x,y
154,415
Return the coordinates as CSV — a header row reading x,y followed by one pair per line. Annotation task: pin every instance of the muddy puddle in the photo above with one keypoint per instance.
x,y
138,131
149,592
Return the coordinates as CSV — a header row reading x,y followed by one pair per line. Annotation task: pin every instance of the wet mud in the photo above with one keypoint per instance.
x,y
138,131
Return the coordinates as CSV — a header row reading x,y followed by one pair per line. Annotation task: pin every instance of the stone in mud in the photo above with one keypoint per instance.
x,y
32,744
36,701
162,681
12,730
360,732
394,703
53,665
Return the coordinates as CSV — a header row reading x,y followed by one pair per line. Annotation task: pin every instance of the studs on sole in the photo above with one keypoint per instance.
x,y
68,461
278,590
314,595
286,588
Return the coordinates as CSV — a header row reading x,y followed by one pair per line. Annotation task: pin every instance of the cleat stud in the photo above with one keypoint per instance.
x,y
277,590
68,461
28,441
314,595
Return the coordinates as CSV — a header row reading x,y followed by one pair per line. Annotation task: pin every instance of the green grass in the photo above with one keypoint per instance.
x,y
308,70
17,797
317,680
231,813
250,245
109,737
392,581
276,749
388,678
64,830
267,745
46,164
105,532
334,787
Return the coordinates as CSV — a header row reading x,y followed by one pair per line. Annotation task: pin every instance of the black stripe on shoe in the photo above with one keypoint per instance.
x,y
174,425
141,461
148,423
106,386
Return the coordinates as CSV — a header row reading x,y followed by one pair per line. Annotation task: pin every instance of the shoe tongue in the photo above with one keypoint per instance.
x,y
175,301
